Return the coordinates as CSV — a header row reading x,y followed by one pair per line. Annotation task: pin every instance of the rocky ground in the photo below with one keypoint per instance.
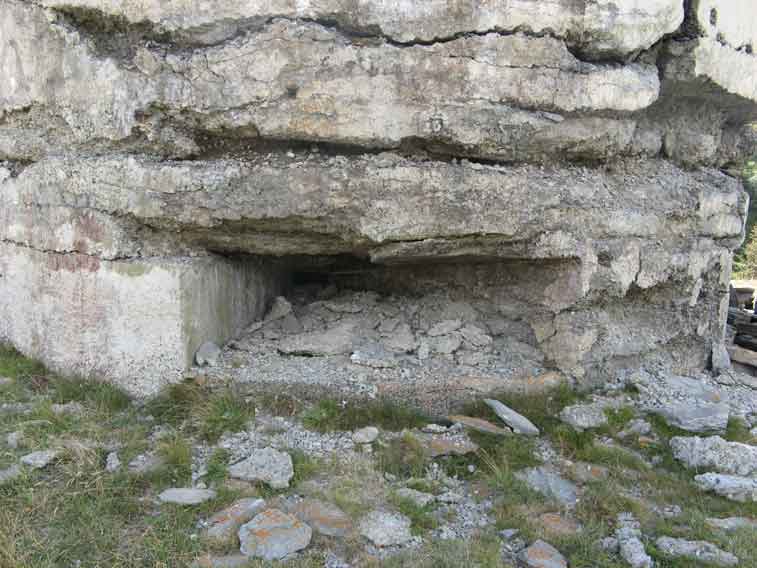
x,y
652,470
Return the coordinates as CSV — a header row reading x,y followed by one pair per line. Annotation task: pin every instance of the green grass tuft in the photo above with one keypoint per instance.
x,y
330,415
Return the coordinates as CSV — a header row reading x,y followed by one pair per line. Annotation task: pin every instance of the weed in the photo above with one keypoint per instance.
x,y
420,517
218,466
738,431
330,415
404,457
224,411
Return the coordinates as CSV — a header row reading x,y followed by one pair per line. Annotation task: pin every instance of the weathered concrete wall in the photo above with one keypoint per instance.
x,y
582,139
137,322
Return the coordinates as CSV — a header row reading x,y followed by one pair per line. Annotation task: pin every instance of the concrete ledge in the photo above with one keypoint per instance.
x,y
134,323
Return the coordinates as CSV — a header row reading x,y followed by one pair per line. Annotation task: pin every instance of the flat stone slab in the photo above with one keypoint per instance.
x,y
548,482
224,525
704,418
39,460
337,340
730,524
383,528
365,435
542,555
715,453
733,487
186,496
231,561
273,535
267,465
479,425
519,423
698,550
584,416
557,524
323,517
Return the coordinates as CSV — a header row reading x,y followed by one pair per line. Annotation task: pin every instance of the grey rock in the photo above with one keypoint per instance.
x,y
630,547
418,497
731,524
637,427
5,381
444,327
40,459
337,340
273,535
702,418
542,555
402,340
716,454
145,463
14,439
324,518
280,308
736,488
366,435
383,528
584,416
475,336
445,344
434,429
7,408
208,354
519,423
697,550
10,474
73,408
224,525
609,544
376,358
450,497
112,462
548,482
186,496
268,465
479,424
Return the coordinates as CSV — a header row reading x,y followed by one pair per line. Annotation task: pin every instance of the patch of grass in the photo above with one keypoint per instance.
x,y
177,463
738,431
616,458
330,415
279,404
16,366
207,412
305,466
425,486
480,552
224,411
617,418
404,457
421,518
218,467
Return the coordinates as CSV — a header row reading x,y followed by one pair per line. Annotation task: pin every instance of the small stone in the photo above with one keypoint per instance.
x,y
72,408
630,546
145,463
508,534
386,529
375,358
548,482
712,417
112,462
268,465
584,416
542,555
186,496
609,544
273,535
324,518
337,340
558,525
449,497
434,429
39,460
731,524
636,427
444,327
479,424
715,453
734,487
208,354
14,439
280,308
5,381
418,497
366,435
10,474
519,423
698,550
224,525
